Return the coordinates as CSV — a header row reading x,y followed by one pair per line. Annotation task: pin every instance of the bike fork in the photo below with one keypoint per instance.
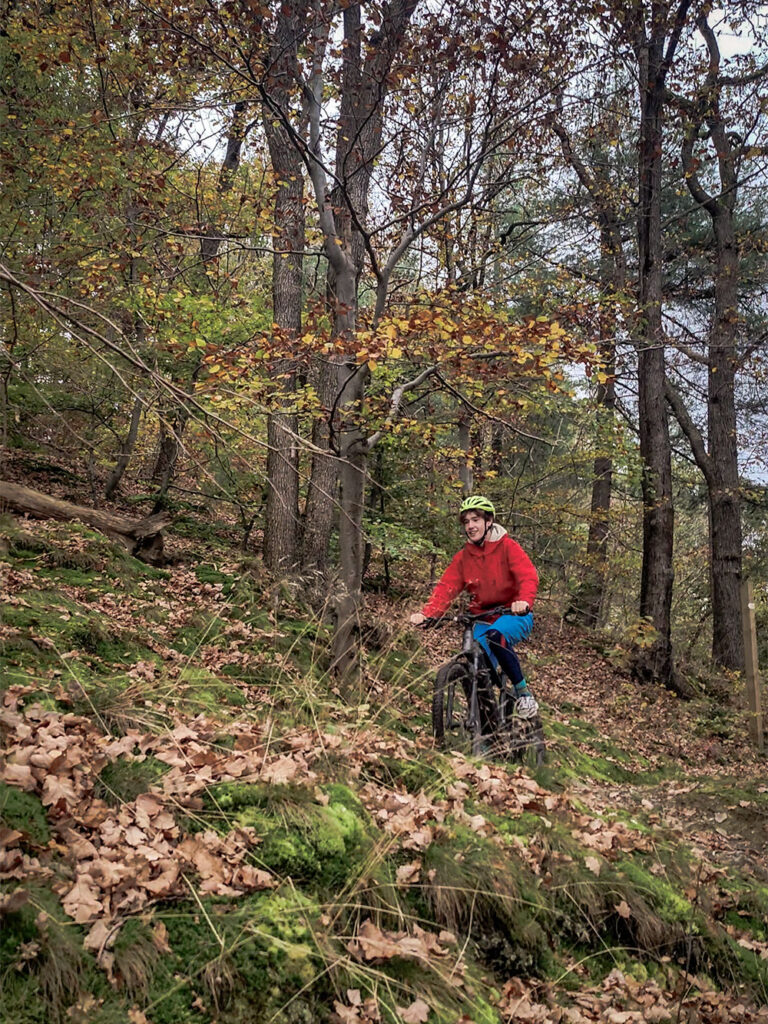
x,y
474,708
502,701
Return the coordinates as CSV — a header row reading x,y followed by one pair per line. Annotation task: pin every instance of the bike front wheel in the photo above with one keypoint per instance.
x,y
451,720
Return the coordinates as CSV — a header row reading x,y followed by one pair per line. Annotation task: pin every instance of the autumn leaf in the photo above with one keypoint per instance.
x,y
346,1014
593,864
13,901
371,943
281,771
81,902
160,937
19,775
417,1013
408,873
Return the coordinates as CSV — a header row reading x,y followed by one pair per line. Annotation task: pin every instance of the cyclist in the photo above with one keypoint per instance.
x,y
495,571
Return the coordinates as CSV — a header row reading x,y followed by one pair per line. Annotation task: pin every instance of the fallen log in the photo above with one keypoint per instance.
x,y
142,537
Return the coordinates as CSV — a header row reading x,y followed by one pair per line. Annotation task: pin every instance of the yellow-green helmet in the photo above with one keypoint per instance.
x,y
476,503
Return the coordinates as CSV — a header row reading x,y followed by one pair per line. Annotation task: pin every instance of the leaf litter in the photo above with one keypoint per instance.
x,y
121,861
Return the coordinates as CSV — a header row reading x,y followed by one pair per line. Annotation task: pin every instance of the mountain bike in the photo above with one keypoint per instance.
x,y
473,704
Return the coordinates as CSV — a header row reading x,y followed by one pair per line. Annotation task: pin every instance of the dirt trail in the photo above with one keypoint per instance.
x,y
710,787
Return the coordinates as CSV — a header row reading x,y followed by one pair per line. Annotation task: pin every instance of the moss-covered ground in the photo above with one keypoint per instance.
x,y
396,882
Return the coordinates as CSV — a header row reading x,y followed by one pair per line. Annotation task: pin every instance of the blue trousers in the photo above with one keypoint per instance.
x,y
498,639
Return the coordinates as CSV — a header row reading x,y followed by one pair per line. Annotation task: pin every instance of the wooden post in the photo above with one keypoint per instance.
x,y
751,665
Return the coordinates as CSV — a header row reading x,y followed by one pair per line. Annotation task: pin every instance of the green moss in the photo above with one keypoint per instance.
x,y
262,954
322,846
413,775
125,779
43,965
201,629
524,825
338,793
209,574
48,612
658,890
731,965
207,693
231,797
748,910
50,615
475,887
577,754
24,812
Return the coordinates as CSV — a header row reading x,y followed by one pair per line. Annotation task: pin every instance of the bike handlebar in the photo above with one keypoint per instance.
x,y
466,618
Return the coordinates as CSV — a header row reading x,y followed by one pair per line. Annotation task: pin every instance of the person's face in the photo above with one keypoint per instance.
x,y
474,525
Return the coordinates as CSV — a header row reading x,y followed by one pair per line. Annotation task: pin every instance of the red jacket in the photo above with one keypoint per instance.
x,y
497,573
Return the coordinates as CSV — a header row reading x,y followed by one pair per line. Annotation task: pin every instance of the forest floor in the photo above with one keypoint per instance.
x,y
194,826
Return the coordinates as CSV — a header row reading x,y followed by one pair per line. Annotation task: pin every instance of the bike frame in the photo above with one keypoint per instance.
x,y
473,670
479,668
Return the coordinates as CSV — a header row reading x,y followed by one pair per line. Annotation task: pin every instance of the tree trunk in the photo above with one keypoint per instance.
x,y
719,463
588,601
342,210
142,537
353,451
282,511
171,436
654,662
323,481
725,505
127,450
465,444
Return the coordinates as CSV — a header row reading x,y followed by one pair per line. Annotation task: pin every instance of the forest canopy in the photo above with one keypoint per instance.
x,y
321,268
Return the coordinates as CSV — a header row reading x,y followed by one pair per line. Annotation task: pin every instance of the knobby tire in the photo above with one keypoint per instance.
x,y
451,718
450,708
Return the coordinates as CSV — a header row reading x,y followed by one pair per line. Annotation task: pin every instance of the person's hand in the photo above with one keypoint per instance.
x,y
519,607
417,619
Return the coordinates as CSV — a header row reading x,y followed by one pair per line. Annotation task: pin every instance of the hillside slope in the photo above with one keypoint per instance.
x,y
195,827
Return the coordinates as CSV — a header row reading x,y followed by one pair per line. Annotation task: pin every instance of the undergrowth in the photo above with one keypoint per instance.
x,y
525,898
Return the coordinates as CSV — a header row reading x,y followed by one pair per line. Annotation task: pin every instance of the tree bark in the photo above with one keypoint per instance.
x,y
127,447
465,444
171,436
342,213
725,503
358,142
288,238
655,53
719,462
588,602
142,537
322,496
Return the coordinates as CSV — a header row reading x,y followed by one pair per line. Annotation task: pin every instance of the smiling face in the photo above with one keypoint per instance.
x,y
474,524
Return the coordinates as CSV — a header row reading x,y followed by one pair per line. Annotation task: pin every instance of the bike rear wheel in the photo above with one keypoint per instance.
x,y
451,720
